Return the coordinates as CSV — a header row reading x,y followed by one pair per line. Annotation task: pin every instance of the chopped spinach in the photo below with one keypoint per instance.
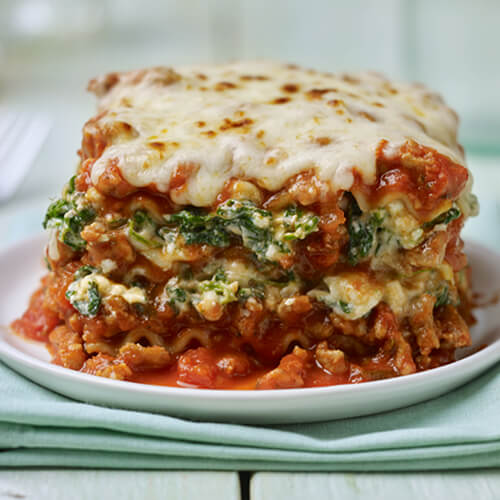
x,y
176,296
225,292
197,228
252,224
69,215
70,188
232,219
177,293
84,271
89,306
55,213
297,224
72,224
362,230
256,291
220,275
444,218
331,303
180,293
443,296
143,230
344,307
266,237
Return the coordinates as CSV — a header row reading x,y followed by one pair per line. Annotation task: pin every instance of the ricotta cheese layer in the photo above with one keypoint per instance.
x,y
263,121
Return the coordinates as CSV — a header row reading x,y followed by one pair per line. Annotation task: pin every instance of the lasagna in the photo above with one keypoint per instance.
x,y
257,225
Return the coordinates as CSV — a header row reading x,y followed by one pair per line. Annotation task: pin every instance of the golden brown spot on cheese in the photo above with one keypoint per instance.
x,y
209,133
335,102
260,134
281,100
378,104
126,127
368,116
271,160
201,76
221,86
291,88
159,76
160,146
228,123
258,78
200,124
318,93
322,141
292,66
340,111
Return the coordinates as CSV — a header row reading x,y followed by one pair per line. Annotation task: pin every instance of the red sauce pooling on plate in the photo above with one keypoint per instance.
x,y
316,377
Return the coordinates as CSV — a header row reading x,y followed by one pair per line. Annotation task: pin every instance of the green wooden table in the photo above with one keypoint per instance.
x,y
51,484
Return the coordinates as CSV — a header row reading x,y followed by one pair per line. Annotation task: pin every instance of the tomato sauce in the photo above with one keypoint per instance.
x,y
315,377
169,377
37,321
425,177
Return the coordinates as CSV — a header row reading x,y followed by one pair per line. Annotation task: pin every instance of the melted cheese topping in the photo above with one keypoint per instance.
x,y
262,121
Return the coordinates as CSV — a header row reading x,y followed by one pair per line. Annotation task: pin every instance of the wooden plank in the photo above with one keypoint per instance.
x,y
461,485
117,485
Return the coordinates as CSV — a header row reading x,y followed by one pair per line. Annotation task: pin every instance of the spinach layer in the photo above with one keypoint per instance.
x,y
69,215
268,236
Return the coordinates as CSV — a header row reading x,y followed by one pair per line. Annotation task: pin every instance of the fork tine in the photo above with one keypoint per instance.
x,y
12,135
20,156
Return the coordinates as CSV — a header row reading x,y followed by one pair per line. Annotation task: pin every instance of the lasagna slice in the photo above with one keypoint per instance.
x,y
258,226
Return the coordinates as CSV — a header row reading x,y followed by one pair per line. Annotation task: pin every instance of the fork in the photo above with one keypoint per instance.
x,y
21,137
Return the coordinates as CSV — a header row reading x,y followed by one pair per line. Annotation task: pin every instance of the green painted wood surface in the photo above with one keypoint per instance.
x,y
457,485
117,485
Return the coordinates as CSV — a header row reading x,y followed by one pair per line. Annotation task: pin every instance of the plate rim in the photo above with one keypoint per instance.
x,y
486,357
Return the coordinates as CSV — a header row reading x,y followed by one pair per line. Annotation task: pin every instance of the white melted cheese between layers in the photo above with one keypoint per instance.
x,y
262,121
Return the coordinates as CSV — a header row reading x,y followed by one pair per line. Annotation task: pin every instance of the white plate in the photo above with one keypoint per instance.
x,y
21,267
